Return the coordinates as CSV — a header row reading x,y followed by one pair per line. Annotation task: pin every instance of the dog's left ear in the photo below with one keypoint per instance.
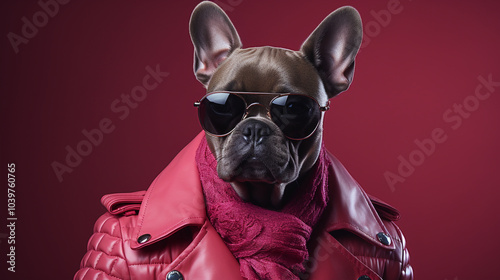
x,y
332,48
214,38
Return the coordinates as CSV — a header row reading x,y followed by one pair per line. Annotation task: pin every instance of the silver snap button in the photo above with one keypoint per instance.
x,y
174,275
384,238
144,238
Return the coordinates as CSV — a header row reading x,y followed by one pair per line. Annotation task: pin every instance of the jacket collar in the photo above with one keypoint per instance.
x,y
177,193
350,208
173,201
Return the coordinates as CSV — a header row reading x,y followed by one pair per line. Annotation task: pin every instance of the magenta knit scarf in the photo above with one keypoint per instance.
x,y
268,244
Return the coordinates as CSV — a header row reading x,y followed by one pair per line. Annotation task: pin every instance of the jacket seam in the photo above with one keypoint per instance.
x,y
85,274
204,227
137,264
87,257
404,264
112,266
101,237
98,258
97,269
123,249
113,256
103,222
404,253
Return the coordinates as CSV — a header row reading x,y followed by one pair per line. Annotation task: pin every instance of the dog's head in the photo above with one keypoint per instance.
x,y
265,140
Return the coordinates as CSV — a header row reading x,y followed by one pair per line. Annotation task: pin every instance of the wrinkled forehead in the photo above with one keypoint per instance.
x,y
267,69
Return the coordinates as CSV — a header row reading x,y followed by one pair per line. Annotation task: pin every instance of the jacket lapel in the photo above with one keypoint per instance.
x,y
351,209
173,201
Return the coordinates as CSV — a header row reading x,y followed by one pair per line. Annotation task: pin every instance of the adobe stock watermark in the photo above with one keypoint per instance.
x,y
454,117
121,108
48,9
381,19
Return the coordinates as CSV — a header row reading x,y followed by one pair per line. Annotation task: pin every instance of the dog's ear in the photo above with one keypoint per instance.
x,y
332,48
214,38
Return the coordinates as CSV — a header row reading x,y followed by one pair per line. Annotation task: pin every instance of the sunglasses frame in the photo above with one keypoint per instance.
x,y
267,107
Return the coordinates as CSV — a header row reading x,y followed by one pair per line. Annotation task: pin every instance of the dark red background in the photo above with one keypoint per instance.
x,y
425,59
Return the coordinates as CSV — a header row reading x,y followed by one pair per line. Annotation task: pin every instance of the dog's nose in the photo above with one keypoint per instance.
x,y
255,131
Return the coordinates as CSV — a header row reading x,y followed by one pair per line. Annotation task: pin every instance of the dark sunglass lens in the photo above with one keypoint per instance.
x,y
219,113
296,115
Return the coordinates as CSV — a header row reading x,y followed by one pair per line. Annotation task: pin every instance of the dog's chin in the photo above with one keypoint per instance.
x,y
253,170
261,193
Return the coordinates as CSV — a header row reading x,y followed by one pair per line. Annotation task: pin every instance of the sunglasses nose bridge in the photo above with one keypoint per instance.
x,y
256,109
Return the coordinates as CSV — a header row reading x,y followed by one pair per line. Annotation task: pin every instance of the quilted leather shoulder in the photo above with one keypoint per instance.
x,y
109,253
105,257
398,265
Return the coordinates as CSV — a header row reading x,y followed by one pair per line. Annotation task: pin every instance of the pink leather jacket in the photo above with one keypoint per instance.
x,y
163,233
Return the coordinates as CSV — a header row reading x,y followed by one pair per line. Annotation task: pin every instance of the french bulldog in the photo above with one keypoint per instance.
x,y
265,125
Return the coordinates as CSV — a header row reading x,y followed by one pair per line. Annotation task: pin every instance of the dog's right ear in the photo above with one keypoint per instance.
x,y
214,38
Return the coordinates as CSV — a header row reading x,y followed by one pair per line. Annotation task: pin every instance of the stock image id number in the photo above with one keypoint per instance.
x,y
11,182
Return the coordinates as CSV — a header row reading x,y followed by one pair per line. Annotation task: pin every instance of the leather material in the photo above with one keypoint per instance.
x,y
123,202
172,211
351,208
176,191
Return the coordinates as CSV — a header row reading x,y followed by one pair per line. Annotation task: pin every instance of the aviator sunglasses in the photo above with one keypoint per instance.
x,y
297,115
